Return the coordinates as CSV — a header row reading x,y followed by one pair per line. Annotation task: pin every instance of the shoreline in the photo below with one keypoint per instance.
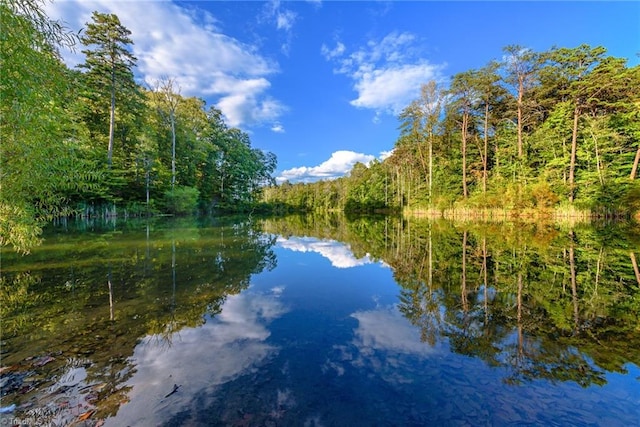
x,y
563,215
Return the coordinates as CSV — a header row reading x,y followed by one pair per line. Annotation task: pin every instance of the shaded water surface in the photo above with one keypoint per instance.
x,y
320,321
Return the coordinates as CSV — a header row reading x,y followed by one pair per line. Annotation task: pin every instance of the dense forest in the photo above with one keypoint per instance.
x,y
535,133
93,141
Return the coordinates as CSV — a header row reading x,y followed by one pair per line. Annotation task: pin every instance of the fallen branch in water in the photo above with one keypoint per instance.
x,y
175,388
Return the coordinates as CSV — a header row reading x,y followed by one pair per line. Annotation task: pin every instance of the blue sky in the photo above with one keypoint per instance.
x,y
320,83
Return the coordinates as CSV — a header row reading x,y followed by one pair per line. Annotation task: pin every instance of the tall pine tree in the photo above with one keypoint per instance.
x,y
109,64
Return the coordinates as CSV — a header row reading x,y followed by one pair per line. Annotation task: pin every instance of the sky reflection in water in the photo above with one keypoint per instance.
x,y
316,344
317,335
199,359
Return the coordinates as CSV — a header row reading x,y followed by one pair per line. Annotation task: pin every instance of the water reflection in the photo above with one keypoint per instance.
x,y
75,310
542,301
195,323
385,343
226,347
337,253
386,330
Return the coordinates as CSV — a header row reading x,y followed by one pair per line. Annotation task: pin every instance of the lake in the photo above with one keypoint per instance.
x,y
322,321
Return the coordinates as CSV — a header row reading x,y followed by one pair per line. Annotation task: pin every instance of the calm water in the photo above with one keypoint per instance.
x,y
322,322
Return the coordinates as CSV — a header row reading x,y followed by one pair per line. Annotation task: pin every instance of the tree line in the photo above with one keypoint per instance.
x,y
535,131
93,141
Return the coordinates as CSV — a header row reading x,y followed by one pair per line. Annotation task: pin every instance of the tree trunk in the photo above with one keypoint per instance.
x,y
574,149
431,166
112,120
398,188
465,119
520,96
430,251
485,279
110,295
463,290
634,168
173,148
496,156
598,163
486,148
574,288
634,263
598,269
147,179
520,330
423,163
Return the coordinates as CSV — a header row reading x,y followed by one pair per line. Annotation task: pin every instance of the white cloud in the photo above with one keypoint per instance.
x,y
200,359
186,44
338,253
338,165
390,88
387,74
333,53
387,343
284,20
386,154
277,128
248,107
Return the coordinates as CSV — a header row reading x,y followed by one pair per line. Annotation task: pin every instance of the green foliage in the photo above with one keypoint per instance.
x,y
506,140
181,200
543,196
56,125
366,191
535,132
630,199
109,78
140,209
233,172
18,227
43,156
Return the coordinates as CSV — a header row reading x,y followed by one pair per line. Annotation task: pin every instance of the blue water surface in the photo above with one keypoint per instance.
x,y
319,341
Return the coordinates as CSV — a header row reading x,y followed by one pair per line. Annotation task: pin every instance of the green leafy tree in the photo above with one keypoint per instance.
x,y
41,154
419,123
366,188
181,200
234,172
166,96
109,64
521,67
464,94
191,144
569,68
491,100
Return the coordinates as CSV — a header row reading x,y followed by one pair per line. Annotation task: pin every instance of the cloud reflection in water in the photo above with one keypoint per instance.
x,y
384,342
338,253
199,359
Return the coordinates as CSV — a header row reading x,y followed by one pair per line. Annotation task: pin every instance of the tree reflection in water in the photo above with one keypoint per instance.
x,y
546,301
538,301
60,321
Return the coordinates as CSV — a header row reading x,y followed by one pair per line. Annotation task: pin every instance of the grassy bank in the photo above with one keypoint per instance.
x,y
564,214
